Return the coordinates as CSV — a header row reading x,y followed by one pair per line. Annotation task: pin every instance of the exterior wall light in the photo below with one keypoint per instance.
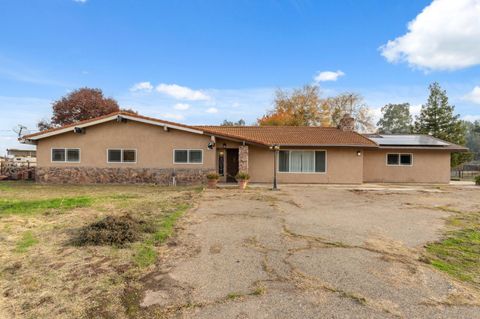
x,y
359,153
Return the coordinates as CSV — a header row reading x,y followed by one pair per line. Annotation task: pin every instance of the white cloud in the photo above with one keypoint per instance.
x,y
212,110
471,118
474,95
80,1
181,106
173,116
444,36
328,76
182,92
142,86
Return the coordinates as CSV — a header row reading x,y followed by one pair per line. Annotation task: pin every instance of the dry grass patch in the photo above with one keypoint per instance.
x,y
43,275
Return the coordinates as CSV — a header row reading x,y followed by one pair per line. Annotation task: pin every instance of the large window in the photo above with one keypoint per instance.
x,y
394,159
71,155
188,156
121,156
302,161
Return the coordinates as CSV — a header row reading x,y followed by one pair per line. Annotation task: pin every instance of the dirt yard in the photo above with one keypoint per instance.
x,y
301,252
44,273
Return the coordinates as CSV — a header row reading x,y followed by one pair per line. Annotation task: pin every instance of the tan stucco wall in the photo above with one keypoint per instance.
x,y
343,166
428,167
155,150
154,146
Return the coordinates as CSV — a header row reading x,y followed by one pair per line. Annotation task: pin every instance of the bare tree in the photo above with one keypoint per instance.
x,y
353,104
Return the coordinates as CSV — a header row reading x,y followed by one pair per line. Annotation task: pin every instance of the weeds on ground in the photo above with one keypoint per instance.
x,y
81,279
27,241
165,229
458,253
145,255
234,295
30,207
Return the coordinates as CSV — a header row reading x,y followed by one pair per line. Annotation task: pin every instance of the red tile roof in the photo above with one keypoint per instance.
x,y
291,135
265,135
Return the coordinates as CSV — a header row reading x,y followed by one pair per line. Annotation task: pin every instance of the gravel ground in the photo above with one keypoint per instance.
x,y
312,252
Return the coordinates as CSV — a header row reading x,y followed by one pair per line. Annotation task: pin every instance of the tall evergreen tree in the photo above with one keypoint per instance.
x,y
396,119
437,118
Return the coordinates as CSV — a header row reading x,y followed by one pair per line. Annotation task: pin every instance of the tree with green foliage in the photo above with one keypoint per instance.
x,y
437,119
396,119
473,138
240,122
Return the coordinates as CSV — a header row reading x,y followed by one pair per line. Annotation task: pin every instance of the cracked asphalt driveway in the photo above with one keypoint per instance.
x,y
311,252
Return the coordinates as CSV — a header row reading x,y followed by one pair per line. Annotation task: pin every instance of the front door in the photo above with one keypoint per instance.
x,y
232,165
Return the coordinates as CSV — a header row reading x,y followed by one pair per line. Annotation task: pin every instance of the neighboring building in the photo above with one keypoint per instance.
x,y
22,157
129,148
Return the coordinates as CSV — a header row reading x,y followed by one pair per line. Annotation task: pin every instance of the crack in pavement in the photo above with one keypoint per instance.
x,y
267,237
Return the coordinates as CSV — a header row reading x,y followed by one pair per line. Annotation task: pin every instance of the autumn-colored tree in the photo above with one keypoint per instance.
x,y
326,120
79,105
298,108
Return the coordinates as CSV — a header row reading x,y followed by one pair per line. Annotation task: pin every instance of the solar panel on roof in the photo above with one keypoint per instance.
x,y
413,140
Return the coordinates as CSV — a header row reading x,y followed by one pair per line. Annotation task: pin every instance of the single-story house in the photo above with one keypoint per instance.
x,y
129,148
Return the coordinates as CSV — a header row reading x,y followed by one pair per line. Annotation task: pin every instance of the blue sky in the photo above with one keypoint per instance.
x,y
199,62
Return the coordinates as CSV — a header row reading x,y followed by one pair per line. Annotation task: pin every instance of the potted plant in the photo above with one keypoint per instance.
x,y
212,178
242,178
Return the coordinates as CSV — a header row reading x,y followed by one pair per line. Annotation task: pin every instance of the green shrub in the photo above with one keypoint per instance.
x,y
477,180
243,176
111,230
213,175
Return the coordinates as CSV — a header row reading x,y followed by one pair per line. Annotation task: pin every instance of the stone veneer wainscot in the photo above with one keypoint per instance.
x,y
123,175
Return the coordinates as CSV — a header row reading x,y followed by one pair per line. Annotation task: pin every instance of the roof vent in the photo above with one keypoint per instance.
x,y
121,119
79,130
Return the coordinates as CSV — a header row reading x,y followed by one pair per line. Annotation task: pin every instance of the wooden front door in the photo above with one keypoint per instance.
x,y
232,164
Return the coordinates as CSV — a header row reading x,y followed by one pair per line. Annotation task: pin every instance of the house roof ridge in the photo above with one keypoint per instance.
x,y
266,126
103,117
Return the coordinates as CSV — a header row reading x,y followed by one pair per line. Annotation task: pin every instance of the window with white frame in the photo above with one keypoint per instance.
x,y
188,156
302,161
71,155
121,156
398,159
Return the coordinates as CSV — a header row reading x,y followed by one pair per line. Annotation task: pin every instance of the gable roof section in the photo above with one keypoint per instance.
x,y
108,118
290,135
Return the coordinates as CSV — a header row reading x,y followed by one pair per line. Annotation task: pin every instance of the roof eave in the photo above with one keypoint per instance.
x,y
71,128
327,145
433,148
